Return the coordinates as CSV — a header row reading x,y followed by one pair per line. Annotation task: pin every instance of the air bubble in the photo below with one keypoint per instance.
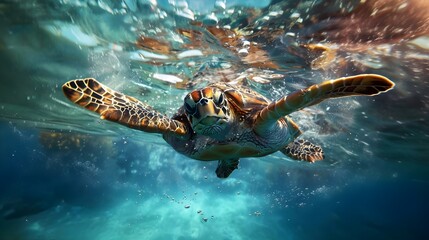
x,y
246,43
295,15
243,52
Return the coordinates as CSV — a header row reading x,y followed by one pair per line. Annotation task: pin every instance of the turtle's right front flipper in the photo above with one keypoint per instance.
x,y
359,85
117,107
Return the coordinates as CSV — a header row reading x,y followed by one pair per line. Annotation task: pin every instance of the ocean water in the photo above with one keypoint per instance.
x,y
66,174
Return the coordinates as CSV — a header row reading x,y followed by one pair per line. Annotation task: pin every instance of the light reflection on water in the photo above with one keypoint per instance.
x,y
65,169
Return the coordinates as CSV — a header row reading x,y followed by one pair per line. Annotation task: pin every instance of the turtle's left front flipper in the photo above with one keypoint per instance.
x,y
120,108
359,85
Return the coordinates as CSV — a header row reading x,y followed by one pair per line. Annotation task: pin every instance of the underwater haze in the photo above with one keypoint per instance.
x,y
66,174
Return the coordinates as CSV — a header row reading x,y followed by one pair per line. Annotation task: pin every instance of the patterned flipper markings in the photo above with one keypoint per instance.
x,y
359,85
303,150
117,107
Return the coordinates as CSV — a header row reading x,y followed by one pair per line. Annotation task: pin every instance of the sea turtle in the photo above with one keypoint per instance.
x,y
224,122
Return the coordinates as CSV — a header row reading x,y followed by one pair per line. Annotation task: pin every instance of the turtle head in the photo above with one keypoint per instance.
x,y
208,112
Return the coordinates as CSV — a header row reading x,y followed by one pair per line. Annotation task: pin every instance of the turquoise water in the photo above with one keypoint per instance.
x,y
66,174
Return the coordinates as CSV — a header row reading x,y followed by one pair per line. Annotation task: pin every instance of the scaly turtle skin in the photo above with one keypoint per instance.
x,y
224,122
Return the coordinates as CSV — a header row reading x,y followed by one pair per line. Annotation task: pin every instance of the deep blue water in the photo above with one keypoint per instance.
x,y
66,174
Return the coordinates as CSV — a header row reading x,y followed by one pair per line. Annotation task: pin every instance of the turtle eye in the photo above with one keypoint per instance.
x,y
188,108
189,105
219,98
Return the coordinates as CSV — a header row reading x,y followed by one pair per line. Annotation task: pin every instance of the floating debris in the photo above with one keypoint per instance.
x,y
154,45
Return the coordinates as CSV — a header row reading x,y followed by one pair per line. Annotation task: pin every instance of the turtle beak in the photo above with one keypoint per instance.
x,y
209,115
210,120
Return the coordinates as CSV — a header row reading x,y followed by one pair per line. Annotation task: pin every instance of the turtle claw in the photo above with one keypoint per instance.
x,y
226,167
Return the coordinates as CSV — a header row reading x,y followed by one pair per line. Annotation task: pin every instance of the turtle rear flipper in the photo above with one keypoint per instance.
x,y
226,167
303,150
359,85
120,108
